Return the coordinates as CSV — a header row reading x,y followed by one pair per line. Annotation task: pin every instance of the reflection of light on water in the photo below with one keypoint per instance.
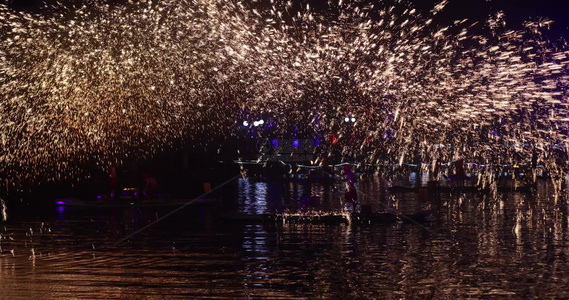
x,y
296,191
60,210
518,228
255,245
252,196
260,197
244,194
33,257
255,240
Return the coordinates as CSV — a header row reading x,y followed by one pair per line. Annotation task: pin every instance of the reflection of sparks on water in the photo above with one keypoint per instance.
x,y
4,213
104,80
517,228
312,215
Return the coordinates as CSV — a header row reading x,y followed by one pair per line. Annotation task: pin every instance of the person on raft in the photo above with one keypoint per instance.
x,y
351,193
150,186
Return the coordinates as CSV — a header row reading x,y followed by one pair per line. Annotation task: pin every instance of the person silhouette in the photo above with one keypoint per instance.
x,y
150,186
113,179
351,194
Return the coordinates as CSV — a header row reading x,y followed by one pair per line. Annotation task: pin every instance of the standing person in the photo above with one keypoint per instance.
x,y
113,179
436,167
351,194
437,170
150,186
460,173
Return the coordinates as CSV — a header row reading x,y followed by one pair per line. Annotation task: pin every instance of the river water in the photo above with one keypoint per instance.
x,y
514,245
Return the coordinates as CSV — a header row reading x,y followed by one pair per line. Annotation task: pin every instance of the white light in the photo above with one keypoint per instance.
x,y
347,119
245,123
256,123
261,122
353,119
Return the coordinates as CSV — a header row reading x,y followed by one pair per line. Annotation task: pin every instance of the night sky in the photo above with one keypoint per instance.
x,y
516,11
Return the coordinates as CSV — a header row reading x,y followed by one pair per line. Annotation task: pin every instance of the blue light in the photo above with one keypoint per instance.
x,y
275,143
295,143
316,141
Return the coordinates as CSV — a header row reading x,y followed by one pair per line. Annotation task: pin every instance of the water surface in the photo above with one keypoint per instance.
x,y
512,246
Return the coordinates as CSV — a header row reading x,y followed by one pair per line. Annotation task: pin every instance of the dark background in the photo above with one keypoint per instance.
x,y
516,11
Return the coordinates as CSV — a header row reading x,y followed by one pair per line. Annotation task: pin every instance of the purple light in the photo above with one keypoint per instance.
x,y
295,143
135,193
99,197
275,143
316,141
60,202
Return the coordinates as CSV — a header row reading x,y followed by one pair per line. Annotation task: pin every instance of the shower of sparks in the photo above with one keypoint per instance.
x,y
109,81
